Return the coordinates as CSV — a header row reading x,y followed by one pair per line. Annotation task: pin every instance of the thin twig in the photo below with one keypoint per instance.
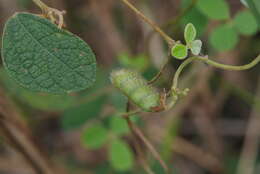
x,y
51,13
137,145
139,133
171,22
156,28
18,135
158,75
250,149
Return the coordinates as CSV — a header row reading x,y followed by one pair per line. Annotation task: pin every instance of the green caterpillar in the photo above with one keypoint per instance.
x,y
136,88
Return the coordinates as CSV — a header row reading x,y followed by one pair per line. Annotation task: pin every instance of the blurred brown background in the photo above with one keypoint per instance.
x,y
215,129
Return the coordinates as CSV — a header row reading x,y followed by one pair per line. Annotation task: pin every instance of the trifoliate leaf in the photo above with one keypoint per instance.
x,y
214,9
94,137
223,38
41,57
179,51
195,47
245,23
120,156
190,33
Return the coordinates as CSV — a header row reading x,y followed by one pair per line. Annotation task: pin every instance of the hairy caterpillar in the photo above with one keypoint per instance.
x,y
136,88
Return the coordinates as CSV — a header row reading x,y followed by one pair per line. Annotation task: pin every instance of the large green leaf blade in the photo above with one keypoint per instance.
x,y
42,57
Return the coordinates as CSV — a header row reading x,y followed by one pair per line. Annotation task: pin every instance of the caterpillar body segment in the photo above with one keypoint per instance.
x,y
136,88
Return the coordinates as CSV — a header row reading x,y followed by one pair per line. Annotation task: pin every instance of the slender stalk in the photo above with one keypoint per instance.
x,y
146,142
42,6
131,113
248,155
51,13
158,75
138,147
179,70
250,148
231,67
214,64
156,28
171,24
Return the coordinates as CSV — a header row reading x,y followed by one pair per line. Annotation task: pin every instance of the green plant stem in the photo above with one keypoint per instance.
x,y
130,113
214,64
231,67
156,28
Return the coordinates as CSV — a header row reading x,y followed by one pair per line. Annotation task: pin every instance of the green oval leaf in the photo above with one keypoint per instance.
x,y
195,47
245,23
189,33
214,9
94,137
42,57
118,125
120,156
223,38
179,51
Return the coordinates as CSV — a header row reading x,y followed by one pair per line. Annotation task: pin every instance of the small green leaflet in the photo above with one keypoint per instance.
x,y
118,125
195,47
94,137
180,51
190,33
223,38
43,58
120,155
245,23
